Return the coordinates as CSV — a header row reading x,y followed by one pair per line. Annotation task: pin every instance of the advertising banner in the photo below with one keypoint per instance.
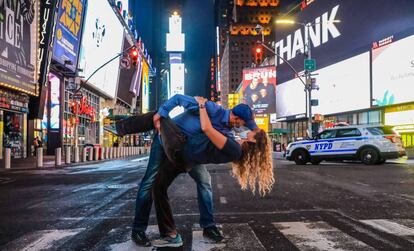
x,y
393,72
259,89
145,88
19,45
333,42
102,40
68,32
126,75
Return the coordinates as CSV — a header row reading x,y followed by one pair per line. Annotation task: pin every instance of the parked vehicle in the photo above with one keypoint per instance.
x,y
369,144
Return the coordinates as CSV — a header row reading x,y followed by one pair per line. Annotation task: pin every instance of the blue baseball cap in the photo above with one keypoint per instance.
x,y
245,113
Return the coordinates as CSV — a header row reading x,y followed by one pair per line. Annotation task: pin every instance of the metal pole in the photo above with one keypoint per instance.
x,y
308,81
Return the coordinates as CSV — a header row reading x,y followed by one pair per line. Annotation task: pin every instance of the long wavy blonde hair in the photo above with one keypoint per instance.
x,y
256,165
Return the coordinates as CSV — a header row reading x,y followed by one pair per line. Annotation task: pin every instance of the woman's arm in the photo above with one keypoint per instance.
x,y
218,139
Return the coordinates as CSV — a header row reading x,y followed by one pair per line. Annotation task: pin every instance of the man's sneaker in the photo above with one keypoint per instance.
x,y
168,242
213,234
141,239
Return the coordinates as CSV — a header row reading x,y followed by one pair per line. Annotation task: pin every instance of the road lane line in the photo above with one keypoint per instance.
x,y
238,236
129,245
392,227
140,159
42,240
319,235
223,200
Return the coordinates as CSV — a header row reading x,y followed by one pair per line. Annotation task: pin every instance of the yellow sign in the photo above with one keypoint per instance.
x,y
233,100
145,88
399,108
262,123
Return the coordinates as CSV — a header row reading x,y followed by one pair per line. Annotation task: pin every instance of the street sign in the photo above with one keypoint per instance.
x,y
314,102
125,63
310,64
77,96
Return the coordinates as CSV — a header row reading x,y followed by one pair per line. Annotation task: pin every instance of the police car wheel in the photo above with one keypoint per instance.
x,y
381,161
369,156
301,157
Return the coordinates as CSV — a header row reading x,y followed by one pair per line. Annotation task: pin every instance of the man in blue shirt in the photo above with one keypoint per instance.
x,y
189,123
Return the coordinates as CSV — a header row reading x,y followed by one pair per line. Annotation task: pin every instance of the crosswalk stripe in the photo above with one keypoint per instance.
x,y
392,227
319,236
238,236
41,240
152,233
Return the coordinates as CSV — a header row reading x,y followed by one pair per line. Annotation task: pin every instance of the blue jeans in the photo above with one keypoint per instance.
x,y
144,196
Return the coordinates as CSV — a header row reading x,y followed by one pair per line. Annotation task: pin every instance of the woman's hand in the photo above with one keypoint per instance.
x,y
200,100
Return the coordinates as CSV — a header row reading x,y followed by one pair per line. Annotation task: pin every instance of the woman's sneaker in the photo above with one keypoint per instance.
x,y
168,242
213,234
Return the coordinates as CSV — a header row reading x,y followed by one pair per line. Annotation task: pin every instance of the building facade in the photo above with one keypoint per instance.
x,y
242,39
360,81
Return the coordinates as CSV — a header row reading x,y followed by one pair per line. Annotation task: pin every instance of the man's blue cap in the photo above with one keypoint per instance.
x,y
245,113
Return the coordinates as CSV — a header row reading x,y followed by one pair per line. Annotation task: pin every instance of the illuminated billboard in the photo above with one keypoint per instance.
x,y
101,41
393,72
177,79
343,86
259,85
175,37
19,27
68,32
145,88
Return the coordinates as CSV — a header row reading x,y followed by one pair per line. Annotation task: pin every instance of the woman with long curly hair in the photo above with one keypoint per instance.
x,y
252,166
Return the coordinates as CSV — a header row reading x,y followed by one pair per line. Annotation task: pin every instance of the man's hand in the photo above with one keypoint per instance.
x,y
157,123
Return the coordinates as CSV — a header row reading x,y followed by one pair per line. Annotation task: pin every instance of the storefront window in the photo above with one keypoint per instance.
x,y
363,118
374,117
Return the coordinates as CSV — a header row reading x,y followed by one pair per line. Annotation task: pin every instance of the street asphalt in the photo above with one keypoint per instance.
x,y
332,206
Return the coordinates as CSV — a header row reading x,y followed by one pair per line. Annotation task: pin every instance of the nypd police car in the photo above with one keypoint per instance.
x,y
370,144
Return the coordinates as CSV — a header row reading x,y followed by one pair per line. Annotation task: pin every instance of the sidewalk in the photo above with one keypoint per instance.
x,y
49,163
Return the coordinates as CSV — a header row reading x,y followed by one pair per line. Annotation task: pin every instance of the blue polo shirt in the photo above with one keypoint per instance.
x,y
189,121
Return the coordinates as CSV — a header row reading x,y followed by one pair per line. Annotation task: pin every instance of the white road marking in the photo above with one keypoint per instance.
x,y
237,237
319,235
392,227
152,232
140,159
41,240
219,186
223,200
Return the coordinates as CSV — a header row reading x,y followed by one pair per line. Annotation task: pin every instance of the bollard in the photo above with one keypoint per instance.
x,y
111,153
58,156
67,156
116,152
96,153
106,152
102,153
84,152
7,158
76,152
139,150
90,154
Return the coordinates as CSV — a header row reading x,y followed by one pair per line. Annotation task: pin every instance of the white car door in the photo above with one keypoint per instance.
x,y
324,144
348,140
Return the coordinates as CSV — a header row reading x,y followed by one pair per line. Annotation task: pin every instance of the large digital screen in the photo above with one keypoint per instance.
x,y
18,44
333,42
343,86
393,72
54,101
290,99
259,86
101,41
68,32
145,88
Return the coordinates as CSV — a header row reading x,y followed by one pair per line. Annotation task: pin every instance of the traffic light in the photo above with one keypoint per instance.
x,y
73,107
133,54
258,55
